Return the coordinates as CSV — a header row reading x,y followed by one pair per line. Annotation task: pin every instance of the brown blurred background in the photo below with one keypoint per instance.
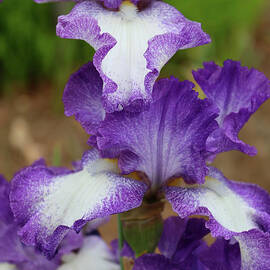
x,y
35,65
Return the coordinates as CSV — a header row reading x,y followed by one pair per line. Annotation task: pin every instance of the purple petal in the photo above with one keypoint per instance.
x,y
222,255
130,63
47,205
166,140
238,92
82,98
190,242
173,230
72,242
255,250
112,3
11,249
218,199
95,223
154,262
6,215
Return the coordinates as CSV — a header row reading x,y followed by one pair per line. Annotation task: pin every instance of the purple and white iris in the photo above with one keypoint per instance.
x,y
57,199
132,45
160,129
167,141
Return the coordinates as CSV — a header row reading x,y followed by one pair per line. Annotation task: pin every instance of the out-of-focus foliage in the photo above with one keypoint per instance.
x,y
31,52
229,22
29,48
231,25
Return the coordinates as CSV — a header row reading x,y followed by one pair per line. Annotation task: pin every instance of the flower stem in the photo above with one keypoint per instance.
x,y
120,240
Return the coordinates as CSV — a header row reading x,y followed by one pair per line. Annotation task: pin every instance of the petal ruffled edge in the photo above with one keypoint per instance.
x,y
238,92
217,199
46,216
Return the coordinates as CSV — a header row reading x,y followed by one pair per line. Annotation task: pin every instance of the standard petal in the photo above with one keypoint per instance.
x,y
131,46
166,140
83,98
232,207
94,255
47,205
238,92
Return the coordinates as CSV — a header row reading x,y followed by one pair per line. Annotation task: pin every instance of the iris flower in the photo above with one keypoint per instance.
x,y
169,143
132,43
76,251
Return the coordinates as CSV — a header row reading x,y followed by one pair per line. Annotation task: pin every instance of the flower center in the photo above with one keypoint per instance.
x,y
128,10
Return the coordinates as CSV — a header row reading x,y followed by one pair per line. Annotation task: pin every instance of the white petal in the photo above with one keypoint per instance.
x,y
94,255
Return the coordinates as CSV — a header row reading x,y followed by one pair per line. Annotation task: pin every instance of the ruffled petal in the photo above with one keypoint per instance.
x,y
12,251
255,250
165,141
131,46
232,207
47,205
238,92
94,255
83,98
251,251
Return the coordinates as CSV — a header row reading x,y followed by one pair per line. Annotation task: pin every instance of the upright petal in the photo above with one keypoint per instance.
x,y
47,205
131,46
83,98
217,199
94,255
166,140
238,92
